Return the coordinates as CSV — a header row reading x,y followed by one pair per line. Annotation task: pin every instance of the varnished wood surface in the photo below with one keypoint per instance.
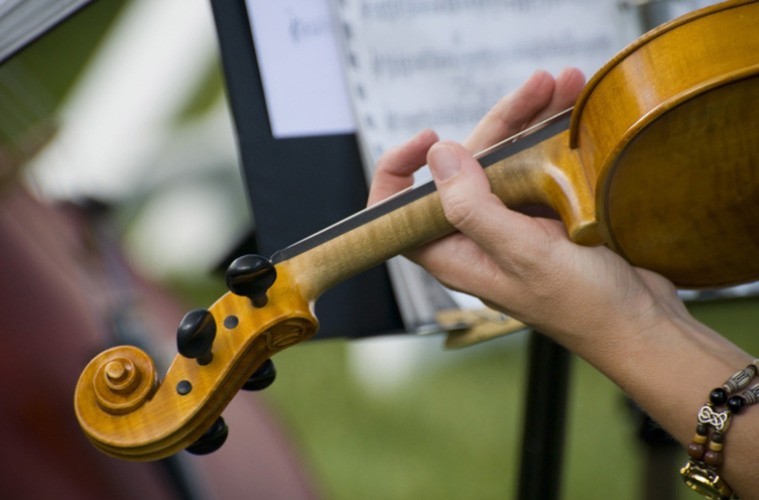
x,y
547,173
669,132
688,205
164,421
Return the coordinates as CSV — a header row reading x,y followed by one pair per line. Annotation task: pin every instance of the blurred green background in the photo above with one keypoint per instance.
x,y
450,430
453,430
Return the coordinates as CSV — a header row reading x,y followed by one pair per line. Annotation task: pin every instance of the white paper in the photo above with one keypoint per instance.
x,y
300,68
444,63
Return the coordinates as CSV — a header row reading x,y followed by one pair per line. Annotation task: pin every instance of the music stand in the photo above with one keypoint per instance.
x,y
298,186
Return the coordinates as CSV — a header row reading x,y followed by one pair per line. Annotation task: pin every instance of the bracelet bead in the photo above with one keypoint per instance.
x,y
696,450
740,379
736,404
751,395
699,439
714,446
713,458
707,447
718,396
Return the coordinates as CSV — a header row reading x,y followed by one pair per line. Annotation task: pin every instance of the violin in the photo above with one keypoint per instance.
x,y
657,160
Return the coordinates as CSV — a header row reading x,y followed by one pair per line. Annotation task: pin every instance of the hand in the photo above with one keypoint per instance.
x,y
627,322
522,265
540,97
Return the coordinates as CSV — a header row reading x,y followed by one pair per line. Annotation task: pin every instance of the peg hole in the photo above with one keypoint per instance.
x,y
231,321
184,387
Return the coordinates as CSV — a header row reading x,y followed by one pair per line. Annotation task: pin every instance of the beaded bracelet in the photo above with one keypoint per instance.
x,y
706,449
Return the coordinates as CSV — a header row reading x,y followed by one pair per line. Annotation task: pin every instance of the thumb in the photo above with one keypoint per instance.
x,y
464,189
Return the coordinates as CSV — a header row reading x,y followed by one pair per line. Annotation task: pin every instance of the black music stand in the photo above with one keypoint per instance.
x,y
298,186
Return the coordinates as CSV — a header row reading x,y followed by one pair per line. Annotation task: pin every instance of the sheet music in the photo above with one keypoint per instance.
x,y
443,63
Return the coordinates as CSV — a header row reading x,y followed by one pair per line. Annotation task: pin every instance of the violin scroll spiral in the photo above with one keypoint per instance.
x,y
124,379
127,413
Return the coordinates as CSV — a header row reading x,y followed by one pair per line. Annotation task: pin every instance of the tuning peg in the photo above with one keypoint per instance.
x,y
211,440
262,378
195,335
251,276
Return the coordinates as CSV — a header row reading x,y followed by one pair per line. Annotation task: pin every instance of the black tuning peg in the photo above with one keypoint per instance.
x,y
262,378
251,276
211,440
195,336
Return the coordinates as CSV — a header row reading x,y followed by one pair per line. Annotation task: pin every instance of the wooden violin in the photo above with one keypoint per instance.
x,y
658,161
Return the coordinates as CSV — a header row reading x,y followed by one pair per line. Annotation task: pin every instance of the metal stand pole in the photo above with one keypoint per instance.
x,y
544,420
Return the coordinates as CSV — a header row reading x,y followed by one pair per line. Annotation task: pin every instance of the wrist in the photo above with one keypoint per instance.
x,y
665,366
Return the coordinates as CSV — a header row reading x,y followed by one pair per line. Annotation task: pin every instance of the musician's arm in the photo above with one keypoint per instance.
x,y
627,322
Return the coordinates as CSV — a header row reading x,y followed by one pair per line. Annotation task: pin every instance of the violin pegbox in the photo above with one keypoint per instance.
x,y
127,413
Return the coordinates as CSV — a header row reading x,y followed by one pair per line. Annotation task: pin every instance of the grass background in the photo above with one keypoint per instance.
x,y
453,429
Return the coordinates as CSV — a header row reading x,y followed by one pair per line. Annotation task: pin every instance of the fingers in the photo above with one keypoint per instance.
x,y
568,86
494,252
470,205
395,169
540,97
512,112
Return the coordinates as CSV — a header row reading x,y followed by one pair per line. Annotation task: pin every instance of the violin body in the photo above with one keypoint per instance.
x,y
658,163
669,129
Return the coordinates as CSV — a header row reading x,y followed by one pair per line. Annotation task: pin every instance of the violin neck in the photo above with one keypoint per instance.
x,y
532,168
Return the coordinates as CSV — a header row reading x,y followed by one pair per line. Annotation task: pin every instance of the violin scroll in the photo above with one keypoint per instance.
x,y
125,410
123,379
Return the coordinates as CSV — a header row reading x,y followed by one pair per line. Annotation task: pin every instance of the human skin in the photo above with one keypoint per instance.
x,y
627,322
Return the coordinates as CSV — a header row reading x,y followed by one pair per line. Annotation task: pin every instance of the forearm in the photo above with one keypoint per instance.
x,y
669,371
625,321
